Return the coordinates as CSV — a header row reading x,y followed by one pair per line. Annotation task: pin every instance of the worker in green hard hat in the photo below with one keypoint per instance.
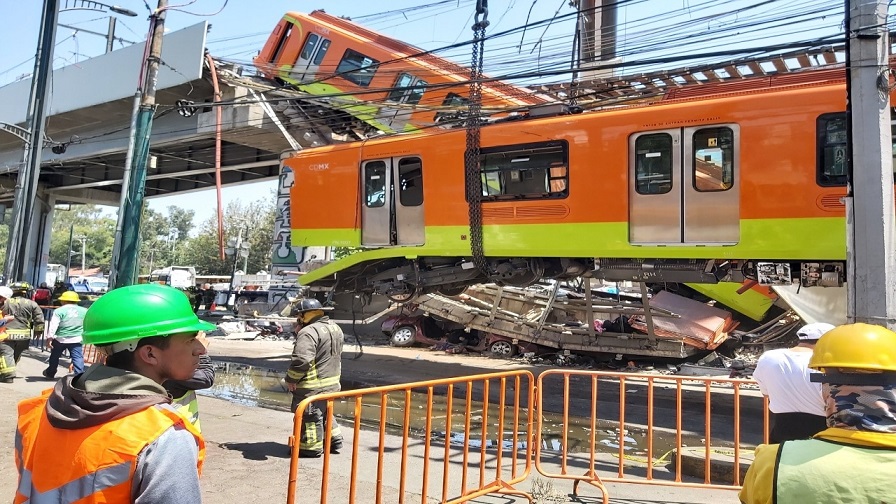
x,y
115,421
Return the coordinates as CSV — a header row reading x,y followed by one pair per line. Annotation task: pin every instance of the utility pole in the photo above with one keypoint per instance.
x,y
870,243
130,211
597,37
26,181
83,240
68,262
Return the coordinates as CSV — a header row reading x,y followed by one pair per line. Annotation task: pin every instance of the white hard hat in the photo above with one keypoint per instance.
x,y
813,331
5,292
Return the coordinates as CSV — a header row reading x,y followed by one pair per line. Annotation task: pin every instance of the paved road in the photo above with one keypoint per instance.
x,y
384,365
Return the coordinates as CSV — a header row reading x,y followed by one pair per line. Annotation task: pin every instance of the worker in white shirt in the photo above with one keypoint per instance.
x,y
796,404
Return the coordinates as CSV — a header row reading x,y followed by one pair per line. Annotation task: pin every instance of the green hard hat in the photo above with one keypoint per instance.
x,y
140,311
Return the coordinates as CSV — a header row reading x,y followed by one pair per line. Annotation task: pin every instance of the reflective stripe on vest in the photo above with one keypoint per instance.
x,y
73,491
188,406
18,334
101,460
815,470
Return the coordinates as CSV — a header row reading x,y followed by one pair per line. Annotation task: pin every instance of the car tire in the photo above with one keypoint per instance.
x,y
452,290
403,336
503,349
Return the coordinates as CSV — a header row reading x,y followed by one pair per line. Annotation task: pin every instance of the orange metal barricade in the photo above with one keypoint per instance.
x,y
92,355
592,427
419,450
620,449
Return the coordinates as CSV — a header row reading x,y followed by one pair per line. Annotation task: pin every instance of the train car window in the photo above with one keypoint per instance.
x,y
831,129
319,57
410,182
281,43
455,100
653,163
530,171
452,100
408,89
357,68
375,184
310,46
713,159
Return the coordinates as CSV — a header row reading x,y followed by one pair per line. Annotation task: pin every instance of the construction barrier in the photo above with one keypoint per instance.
x,y
39,341
459,438
637,423
92,355
591,427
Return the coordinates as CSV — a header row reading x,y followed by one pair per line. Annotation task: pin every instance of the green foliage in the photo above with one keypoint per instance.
x,y
166,238
87,221
253,221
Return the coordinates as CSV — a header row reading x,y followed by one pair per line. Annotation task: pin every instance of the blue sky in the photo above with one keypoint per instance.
x,y
250,20
240,29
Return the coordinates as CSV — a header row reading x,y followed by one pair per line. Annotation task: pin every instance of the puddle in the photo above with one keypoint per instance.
x,y
259,387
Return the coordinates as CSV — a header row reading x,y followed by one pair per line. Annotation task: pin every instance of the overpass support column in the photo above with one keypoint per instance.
x,y
871,236
37,254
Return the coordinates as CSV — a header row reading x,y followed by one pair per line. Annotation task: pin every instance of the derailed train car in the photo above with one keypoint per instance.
x,y
378,83
725,184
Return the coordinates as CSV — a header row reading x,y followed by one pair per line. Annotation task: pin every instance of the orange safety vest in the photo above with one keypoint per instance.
x,y
90,465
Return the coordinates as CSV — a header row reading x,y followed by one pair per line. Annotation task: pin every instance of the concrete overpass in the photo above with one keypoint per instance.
x,y
89,120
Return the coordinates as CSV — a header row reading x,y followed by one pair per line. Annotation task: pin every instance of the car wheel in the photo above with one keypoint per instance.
x,y
403,336
502,348
240,301
452,290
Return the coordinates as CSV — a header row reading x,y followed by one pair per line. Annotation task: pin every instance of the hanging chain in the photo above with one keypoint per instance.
x,y
472,153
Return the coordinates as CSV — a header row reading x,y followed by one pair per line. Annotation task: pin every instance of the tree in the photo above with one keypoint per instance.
x,y
87,221
254,220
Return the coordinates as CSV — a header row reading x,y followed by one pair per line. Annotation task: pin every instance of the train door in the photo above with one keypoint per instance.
x,y
392,202
683,186
308,62
402,100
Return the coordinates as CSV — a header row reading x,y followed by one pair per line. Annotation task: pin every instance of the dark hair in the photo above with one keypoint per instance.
x,y
125,360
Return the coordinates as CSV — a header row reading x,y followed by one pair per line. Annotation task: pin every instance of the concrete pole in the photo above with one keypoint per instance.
x,y
110,35
20,240
83,254
130,213
597,36
871,248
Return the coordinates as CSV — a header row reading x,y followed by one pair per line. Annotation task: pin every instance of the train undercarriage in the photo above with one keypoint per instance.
x,y
403,279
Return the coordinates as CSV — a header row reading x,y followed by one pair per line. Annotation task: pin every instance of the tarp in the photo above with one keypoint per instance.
x,y
700,325
816,304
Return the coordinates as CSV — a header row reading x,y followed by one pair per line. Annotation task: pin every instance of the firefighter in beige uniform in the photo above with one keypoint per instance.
x,y
316,368
27,318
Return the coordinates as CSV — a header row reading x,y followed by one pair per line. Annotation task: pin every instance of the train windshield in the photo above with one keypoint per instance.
x,y
357,68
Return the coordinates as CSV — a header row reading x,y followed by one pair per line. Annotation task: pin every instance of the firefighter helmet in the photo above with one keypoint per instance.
x,y
20,286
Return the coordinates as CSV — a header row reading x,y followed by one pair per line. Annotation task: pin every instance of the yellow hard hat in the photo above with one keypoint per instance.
x,y
860,347
70,296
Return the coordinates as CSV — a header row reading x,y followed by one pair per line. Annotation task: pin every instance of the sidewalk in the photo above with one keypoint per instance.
x,y
247,457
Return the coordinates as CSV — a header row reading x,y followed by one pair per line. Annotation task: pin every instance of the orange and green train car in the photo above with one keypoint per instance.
x,y
723,186
379,83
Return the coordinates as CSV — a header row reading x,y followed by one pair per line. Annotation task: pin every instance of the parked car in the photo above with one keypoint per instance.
x,y
506,347
408,329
